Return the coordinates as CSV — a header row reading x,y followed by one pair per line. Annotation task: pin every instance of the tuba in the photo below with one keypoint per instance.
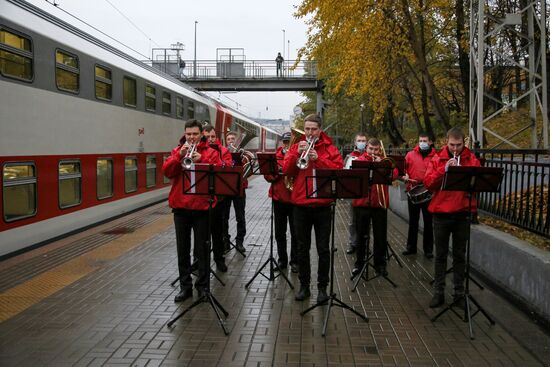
x,y
297,134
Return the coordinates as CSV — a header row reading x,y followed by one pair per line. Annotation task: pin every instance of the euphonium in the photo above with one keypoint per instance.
x,y
245,155
303,161
188,159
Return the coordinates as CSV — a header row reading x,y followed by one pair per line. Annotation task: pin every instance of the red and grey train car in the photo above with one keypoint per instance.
x,y
84,128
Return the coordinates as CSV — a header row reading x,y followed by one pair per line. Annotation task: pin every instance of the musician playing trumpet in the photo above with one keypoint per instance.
x,y
372,208
416,163
190,211
314,150
450,215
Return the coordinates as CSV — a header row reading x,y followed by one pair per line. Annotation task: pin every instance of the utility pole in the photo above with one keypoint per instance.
x,y
195,56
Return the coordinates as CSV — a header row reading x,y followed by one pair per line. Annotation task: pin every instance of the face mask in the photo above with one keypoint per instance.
x,y
361,145
424,146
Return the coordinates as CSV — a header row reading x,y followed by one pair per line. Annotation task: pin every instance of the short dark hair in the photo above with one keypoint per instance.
x,y
231,133
193,123
456,133
208,128
360,133
374,142
424,134
314,118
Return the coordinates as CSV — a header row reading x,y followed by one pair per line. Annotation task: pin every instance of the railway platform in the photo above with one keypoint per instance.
x,y
103,298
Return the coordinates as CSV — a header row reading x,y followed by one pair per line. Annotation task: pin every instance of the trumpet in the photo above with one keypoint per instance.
x,y
188,158
303,161
456,157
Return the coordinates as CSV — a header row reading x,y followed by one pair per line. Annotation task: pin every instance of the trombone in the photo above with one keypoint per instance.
x,y
188,158
381,193
303,161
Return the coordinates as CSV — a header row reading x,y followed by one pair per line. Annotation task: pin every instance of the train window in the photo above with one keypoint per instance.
x,y
151,171
70,184
19,191
164,178
103,83
190,109
166,103
15,55
67,72
130,174
150,98
179,107
104,170
129,92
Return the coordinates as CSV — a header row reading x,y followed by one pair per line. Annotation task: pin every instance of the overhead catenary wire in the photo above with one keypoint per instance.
x,y
53,3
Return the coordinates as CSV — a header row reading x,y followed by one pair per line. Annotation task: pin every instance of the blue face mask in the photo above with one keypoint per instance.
x,y
361,145
424,146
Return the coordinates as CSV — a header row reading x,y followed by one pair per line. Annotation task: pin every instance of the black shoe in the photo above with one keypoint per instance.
x,y
350,250
240,247
322,296
183,295
220,266
381,269
437,300
409,252
282,264
356,270
459,301
303,293
429,255
294,268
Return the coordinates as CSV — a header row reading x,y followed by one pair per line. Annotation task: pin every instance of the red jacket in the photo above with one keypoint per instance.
x,y
328,157
173,169
416,165
377,193
448,201
278,190
225,154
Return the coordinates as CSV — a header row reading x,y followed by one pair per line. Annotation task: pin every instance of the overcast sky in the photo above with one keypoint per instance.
x,y
255,25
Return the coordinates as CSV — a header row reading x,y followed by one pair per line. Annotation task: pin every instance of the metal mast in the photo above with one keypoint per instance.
x,y
488,35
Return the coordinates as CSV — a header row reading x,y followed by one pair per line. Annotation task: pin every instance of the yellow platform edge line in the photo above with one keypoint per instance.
x,y
17,299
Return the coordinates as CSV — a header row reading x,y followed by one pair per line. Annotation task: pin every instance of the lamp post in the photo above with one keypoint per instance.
x,y
284,43
362,105
195,56
288,50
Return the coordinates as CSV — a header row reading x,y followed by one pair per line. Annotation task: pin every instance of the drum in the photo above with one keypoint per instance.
x,y
419,194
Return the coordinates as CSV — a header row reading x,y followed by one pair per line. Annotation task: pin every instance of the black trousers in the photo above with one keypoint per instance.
x,y
184,222
284,213
304,219
379,218
239,203
352,230
414,217
446,225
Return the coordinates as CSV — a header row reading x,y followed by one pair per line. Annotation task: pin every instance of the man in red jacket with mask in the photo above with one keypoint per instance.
x,y
450,215
283,211
372,207
312,212
416,163
190,211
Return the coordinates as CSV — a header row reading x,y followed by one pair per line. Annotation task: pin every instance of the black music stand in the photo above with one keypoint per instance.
x,y
470,180
268,166
334,184
210,180
376,173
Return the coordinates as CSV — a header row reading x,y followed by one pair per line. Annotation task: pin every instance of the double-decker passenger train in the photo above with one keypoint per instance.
x,y
84,128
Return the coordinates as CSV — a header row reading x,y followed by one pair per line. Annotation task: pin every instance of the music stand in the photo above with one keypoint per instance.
x,y
471,180
375,173
204,179
268,166
334,184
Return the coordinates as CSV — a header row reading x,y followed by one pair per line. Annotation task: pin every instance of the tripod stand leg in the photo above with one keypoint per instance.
x,y
258,273
359,276
213,304
343,305
174,281
327,314
217,277
197,302
393,254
